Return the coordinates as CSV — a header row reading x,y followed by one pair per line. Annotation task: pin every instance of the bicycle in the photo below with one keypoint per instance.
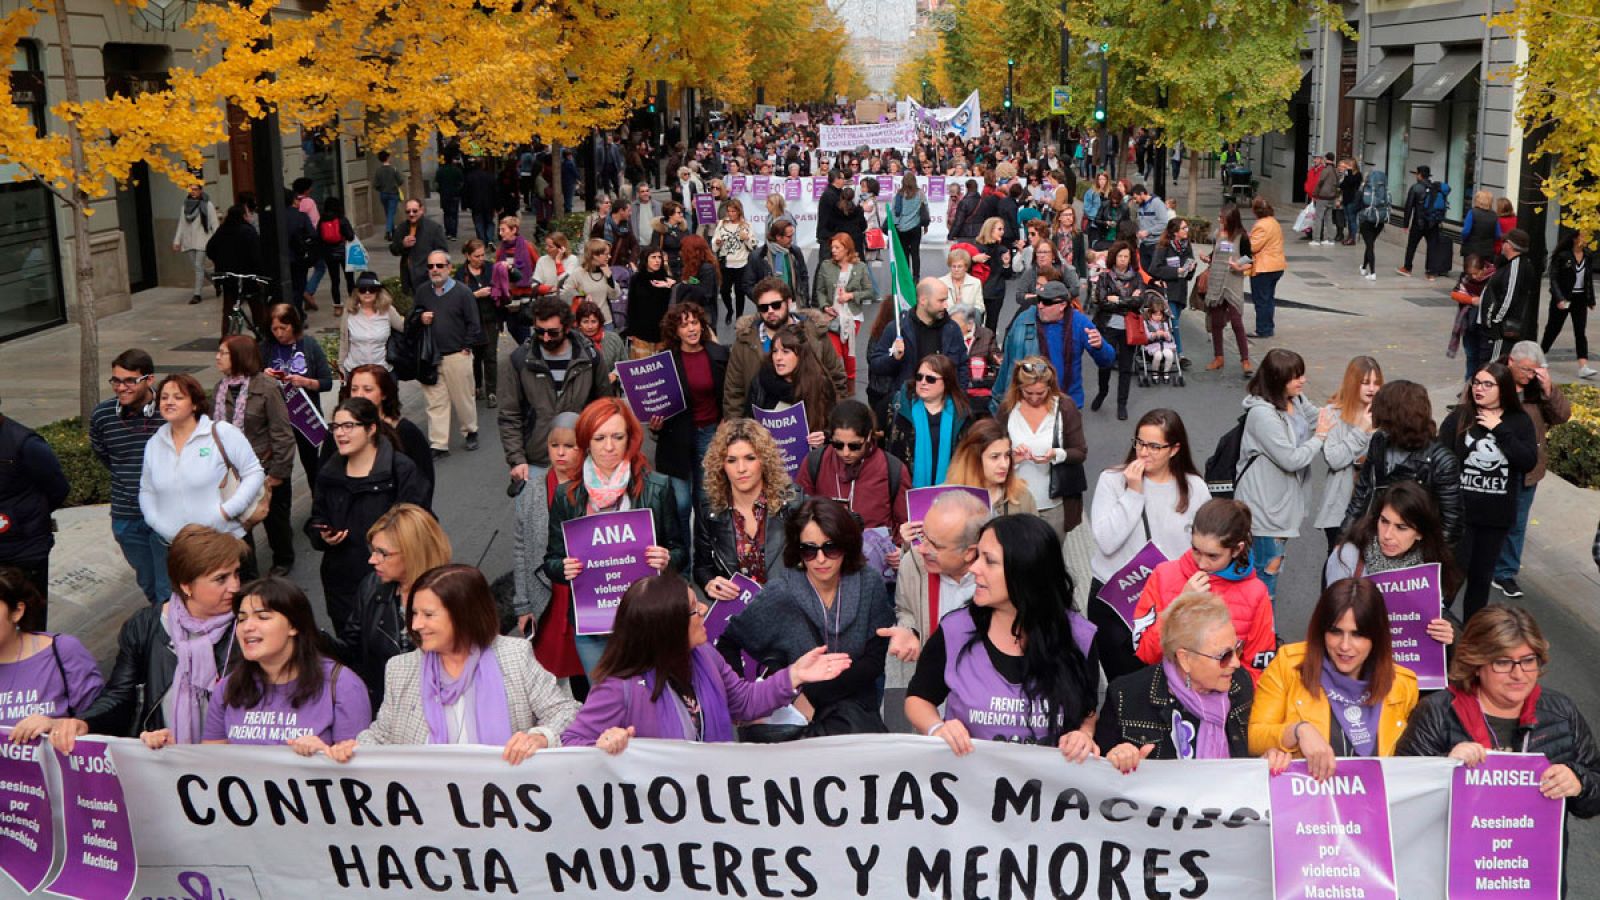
x,y
239,319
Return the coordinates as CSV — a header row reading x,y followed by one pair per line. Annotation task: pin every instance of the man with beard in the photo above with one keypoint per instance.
x,y
752,340
924,330
549,374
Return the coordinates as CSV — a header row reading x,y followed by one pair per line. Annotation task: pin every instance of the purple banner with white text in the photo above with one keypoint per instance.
x,y
99,861
1505,837
920,500
1121,592
1414,599
723,610
789,431
27,839
1331,838
651,386
611,547
305,417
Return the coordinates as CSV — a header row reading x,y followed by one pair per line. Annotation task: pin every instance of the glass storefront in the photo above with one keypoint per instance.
x,y
31,295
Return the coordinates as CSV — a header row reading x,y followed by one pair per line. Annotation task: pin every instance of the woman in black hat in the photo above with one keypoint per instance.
x,y
364,333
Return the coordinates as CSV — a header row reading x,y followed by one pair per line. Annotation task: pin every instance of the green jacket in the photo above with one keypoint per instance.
x,y
655,495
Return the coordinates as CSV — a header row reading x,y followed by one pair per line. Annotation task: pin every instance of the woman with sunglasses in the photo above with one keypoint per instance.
x,y
659,678
363,481
1497,445
1152,498
984,459
1340,692
1194,703
1047,442
1495,702
852,469
1217,562
927,419
821,597
792,375
364,333
1017,663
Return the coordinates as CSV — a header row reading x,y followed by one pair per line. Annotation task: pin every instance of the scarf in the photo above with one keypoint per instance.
x,y
489,719
1353,710
604,493
927,471
193,641
198,208
219,408
1237,571
1471,715
716,721
1373,561
1210,707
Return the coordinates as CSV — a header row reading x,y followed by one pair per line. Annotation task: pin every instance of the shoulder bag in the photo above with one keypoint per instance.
x,y
256,512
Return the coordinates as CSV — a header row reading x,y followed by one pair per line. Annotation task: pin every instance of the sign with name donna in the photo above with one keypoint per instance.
x,y
1505,837
1413,598
1330,838
866,816
611,546
651,386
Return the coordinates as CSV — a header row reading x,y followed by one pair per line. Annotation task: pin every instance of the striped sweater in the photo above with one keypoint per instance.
x,y
118,442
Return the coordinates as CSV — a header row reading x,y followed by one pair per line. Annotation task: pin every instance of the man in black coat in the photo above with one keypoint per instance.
x,y
32,487
412,242
479,194
830,221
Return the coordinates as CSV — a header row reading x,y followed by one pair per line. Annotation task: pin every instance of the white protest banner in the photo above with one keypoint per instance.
x,y
885,136
867,816
800,201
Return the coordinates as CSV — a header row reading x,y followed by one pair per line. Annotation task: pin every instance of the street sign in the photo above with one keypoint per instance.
x,y
1059,96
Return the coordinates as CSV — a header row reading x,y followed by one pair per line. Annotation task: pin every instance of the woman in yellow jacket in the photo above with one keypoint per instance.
x,y
1339,693
1266,265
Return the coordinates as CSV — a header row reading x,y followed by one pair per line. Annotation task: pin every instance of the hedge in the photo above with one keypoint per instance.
x,y
89,481
1574,446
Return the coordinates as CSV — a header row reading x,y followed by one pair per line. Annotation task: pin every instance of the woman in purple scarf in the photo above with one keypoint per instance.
x,y
465,684
1194,705
659,678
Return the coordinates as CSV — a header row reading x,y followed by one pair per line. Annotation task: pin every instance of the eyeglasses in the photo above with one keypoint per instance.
x,y
383,554
116,382
1504,666
343,426
1484,384
438,265
1226,657
828,549
769,307
1150,445
1052,301
852,446
549,332
929,379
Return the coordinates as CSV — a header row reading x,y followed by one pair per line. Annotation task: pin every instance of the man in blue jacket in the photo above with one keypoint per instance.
x,y
1052,329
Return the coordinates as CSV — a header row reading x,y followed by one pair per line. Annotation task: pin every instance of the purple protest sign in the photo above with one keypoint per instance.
x,y
1414,599
936,189
1121,592
1505,837
651,386
738,184
1331,838
789,431
611,546
819,184
705,209
98,849
723,610
760,187
920,500
791,190
27,840
305,417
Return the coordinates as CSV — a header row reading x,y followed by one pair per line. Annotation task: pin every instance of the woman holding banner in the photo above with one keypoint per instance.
x,y
615,476
1402,531
652,682
1339,692
792,375
404,542
748,499
983,459
1149,500
465,684
1019,645
59,672
927,419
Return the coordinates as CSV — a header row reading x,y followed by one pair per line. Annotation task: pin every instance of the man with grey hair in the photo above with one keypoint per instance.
x,y
1546,406
450,312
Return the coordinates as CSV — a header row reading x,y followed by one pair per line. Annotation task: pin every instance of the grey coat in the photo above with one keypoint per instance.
x,y
530,535
1345,445
1275,486
538,705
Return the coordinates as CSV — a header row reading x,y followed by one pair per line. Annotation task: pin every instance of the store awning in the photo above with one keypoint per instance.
x,y
1435,84
1380,77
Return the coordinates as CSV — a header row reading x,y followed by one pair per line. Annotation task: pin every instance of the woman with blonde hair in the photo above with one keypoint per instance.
x,y
777,211
1347,443
1480,230
593,281
739,529
364,333
992,250
404,542
842,289
964,287
555,265
1046,432
983,459
731,242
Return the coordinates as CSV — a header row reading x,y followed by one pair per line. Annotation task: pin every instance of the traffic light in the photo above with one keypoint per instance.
x,y
1103,90
1104,46
1010,72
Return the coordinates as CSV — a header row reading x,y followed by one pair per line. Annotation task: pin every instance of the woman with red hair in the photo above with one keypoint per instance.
x,y
615,476
700,274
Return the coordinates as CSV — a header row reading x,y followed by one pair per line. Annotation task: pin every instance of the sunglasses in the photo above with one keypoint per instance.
x,y
1226,657
929,379
852,446
768,307
1052,301
438,265
549,332
1034,368
828,549
366,290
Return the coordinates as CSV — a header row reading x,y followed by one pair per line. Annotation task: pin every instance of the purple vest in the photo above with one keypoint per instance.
x,y
992,708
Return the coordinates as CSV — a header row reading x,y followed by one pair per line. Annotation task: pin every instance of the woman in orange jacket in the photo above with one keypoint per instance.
x,y
1266,266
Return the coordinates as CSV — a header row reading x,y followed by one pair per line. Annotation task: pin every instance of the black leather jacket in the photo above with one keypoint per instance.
x,y
1138,710
655,495
130,703
1434,467
1558,731
714,549
375,632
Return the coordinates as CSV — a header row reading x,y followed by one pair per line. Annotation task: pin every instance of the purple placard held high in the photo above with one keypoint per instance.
x,y
738,184
789,431
27,842
1414,599
1121,593
791,190
705,209
760,187
1331,839
100,861
1505,837
920,500
611,546
936,189
651,386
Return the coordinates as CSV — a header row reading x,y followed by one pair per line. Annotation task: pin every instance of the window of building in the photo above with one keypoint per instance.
x,y
31,295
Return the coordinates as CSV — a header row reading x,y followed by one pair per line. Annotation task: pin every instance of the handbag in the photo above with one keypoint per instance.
x,y
256,512
1202,286
1136,335
1066,479
876,240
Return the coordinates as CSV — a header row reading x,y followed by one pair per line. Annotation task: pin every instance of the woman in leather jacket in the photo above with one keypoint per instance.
x,y
748,500
405,542
1120,289
1404,448
183,646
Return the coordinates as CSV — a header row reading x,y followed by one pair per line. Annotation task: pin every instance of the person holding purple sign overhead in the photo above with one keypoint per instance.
x,y
1340,691
748,498
1152,498
659,678
1017,663
43,676
1402,531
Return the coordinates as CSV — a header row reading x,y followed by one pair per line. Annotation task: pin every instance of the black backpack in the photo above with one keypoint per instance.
x,y
1224,462
896,467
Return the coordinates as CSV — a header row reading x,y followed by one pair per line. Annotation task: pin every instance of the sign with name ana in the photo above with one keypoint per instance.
x,y
1414,599
1121,592
1331,838
611,546
27,837
99,860
789,431
920,500
1505,837
651,386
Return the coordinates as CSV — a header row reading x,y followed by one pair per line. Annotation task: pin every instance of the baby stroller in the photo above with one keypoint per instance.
x,y
1144,362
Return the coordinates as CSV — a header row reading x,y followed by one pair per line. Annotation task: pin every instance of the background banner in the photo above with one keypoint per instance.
x,y
801,196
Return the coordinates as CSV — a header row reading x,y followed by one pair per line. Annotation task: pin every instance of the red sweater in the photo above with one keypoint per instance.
x,y
1247,600
868,496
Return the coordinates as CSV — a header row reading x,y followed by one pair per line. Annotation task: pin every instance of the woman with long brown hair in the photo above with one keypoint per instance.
x,y
1224,297
791,374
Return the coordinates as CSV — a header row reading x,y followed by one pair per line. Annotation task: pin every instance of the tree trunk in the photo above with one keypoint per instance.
x,y
1194,182
82,265
414,163
556,196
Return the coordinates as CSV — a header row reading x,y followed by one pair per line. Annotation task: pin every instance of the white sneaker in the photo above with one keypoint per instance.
x,y
1372,276
1587,372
